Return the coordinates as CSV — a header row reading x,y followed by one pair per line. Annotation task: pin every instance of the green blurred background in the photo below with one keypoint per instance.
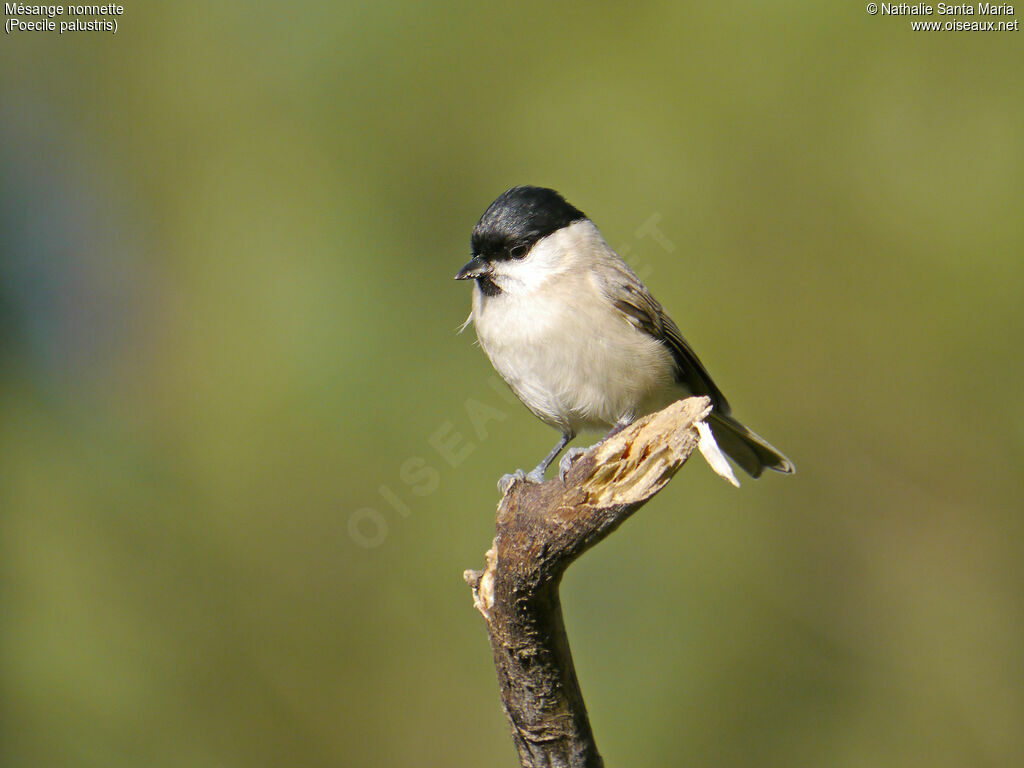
x,y
229,357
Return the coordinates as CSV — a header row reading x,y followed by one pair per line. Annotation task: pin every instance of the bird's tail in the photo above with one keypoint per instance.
x,y
752,452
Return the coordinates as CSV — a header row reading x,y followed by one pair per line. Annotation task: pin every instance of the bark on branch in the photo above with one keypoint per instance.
x,y
541,529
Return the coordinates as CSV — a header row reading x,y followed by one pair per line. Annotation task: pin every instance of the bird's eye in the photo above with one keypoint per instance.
x,y
519,251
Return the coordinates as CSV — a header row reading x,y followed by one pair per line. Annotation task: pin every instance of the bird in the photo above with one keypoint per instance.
x,y
578,337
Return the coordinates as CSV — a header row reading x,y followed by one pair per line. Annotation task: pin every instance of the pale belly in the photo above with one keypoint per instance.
x,y
575,369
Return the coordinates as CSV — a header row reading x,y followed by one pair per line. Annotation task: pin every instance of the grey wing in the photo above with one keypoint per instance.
x,y
624,289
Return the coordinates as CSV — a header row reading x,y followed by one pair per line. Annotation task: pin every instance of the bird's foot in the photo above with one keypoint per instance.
x,y
507,481
536,477
567,461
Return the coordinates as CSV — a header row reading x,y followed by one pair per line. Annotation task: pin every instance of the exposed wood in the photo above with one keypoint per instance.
x,y
541,529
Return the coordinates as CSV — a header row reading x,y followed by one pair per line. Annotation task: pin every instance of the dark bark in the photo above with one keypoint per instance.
x,y
541,529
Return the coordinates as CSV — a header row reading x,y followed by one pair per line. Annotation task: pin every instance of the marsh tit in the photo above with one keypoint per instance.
x,y
577,336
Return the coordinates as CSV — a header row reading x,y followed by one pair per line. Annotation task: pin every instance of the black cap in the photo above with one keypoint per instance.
x,y
520,217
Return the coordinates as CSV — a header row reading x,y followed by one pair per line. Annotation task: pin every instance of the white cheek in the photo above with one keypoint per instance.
x,y
551,256
522,276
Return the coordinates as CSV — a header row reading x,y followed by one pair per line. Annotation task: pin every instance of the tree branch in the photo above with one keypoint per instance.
x,y
541,529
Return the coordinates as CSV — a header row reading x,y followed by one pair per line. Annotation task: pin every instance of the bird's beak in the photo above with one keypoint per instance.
x,y
477,267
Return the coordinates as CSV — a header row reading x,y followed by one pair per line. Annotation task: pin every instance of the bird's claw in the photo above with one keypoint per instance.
x,y
536,477
567,461
507,481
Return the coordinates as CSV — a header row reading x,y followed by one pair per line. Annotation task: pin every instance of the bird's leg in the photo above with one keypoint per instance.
x,y
537,474
574,453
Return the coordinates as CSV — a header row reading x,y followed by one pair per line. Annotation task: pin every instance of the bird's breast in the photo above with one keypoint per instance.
x,y
571,357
